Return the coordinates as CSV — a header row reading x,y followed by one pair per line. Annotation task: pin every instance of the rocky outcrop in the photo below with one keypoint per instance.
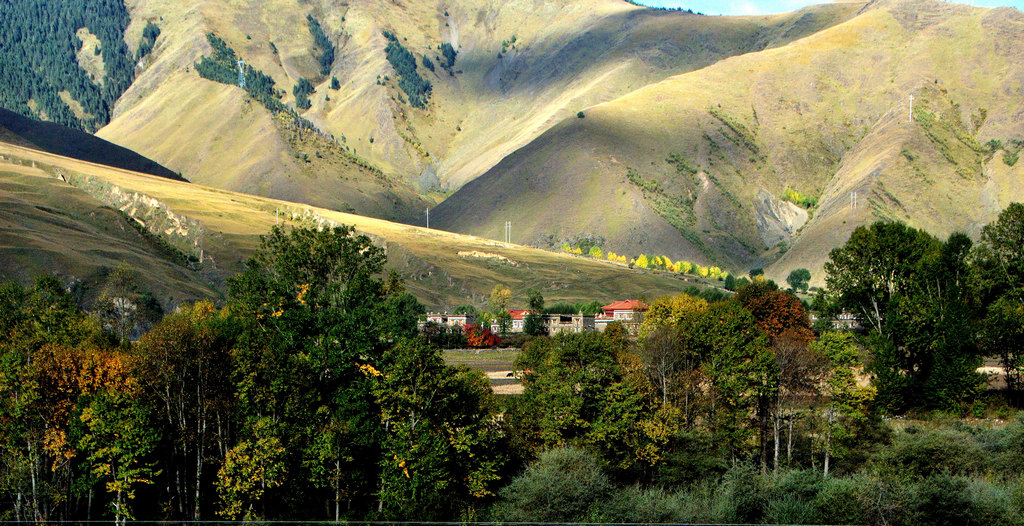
x,y
777,220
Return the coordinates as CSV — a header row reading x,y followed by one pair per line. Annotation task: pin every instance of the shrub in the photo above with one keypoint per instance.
x,y
560,486
992,503
740,498
639,505
841,500
921,453
801,200
580,115
941,499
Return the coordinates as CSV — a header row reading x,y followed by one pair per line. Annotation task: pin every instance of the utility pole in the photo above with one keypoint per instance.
x,y
508,231
853,199
241,73
911,108
428,219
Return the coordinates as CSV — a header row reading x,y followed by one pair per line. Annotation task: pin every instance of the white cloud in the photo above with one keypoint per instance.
x,y
745,9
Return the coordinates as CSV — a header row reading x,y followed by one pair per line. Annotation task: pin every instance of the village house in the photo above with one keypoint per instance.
x,y
556,323
448,320
518,320
627,312
844,321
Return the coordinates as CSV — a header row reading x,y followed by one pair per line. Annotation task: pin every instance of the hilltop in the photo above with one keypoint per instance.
x,y
753,161
68,142
79,220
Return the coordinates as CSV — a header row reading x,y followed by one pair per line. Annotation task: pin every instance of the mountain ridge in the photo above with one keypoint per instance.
x,y
797,117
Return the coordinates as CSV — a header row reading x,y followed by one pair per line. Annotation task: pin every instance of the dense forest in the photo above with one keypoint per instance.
x,y
222,67
415,87
311,395
326,57
38,49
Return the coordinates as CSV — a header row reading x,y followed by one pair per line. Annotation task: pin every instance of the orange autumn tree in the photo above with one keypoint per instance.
x,y
783,318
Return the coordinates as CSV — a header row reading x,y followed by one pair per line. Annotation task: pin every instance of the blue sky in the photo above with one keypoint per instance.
x,y
760,7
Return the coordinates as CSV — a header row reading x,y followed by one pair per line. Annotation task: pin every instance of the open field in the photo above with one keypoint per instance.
x,y
495,363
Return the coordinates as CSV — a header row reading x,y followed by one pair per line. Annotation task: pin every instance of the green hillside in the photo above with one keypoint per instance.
x,y
708,165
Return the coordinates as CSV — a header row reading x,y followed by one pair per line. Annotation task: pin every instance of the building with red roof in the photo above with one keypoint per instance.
x,y
630,312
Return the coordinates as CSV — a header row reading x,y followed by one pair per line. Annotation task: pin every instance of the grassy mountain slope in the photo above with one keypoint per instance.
x,y
62,215
822,116
566,57
68,142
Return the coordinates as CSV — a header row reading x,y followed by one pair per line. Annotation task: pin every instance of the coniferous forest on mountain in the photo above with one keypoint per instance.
x,y
38,59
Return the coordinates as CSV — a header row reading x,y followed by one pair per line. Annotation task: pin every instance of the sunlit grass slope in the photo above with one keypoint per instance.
x,y
566,57
712,153
61,215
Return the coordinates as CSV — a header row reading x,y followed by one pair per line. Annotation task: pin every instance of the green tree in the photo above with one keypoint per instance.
x,y
533,324
440,434
1000,269
119,437
577,394
846,400
534,300
798,279
1002,335
184,367
741,371
500,298
669,352
251,468
1000,258
41,394
916,296
125,307
313,308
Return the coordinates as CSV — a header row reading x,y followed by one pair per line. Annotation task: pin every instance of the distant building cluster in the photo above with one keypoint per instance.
x,y
843,321
627,312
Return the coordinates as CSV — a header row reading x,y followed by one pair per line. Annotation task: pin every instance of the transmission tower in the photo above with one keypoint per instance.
x,y
241,74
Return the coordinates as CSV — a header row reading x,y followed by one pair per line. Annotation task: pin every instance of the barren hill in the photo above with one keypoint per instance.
x,y
703,165
519,67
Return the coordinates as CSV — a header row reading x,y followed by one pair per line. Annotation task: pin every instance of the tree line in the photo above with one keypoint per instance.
x,y
311,396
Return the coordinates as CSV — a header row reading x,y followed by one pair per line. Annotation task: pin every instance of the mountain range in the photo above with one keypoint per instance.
x,y
738,142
